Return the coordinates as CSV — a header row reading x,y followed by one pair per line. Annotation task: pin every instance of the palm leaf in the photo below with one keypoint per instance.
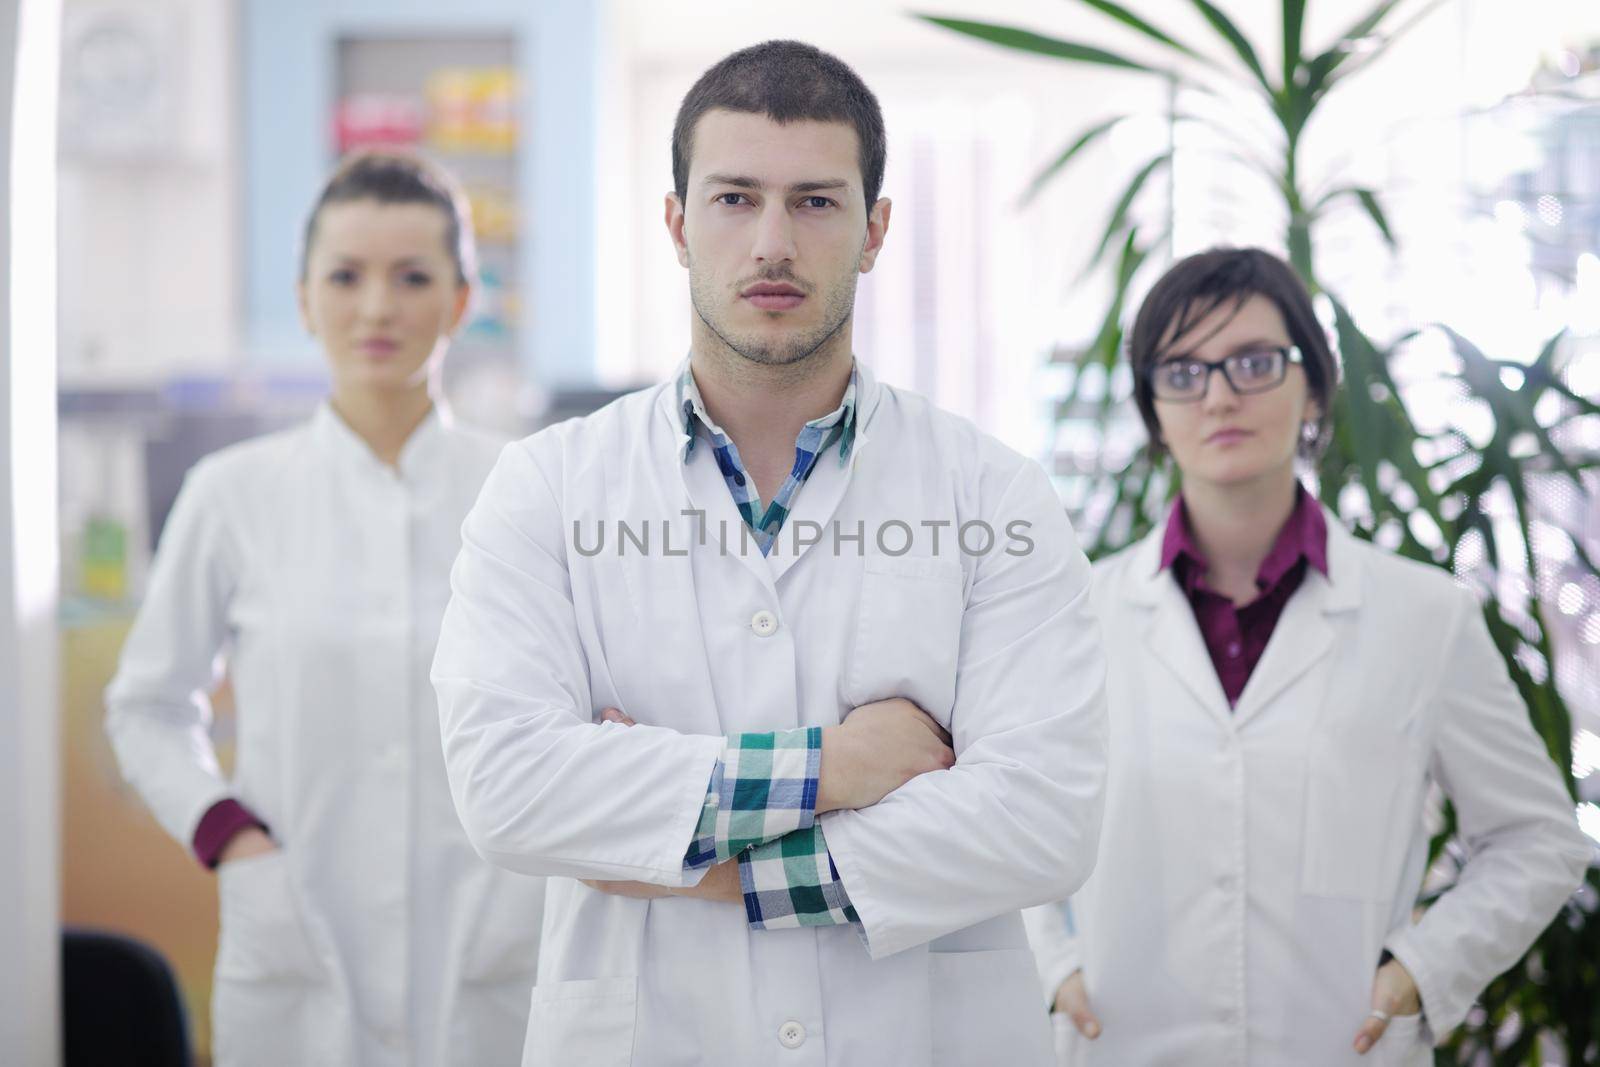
x,y
1027,41
1106,348
1119,214
1294,17
1134,22
1134,502
1368,199
1238,41
1082,141
1104,351
1375,211
1541,374
1513,409
1366,58
1356,419
1364,26
1321,69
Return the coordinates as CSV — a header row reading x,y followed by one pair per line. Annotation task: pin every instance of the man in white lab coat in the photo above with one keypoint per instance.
x,y
707,649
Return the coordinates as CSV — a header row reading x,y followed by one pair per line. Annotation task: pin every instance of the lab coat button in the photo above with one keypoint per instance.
x,y
791,1034
764,624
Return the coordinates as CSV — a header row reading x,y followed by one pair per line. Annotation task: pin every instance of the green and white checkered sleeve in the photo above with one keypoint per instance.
x,y
792,882
764,787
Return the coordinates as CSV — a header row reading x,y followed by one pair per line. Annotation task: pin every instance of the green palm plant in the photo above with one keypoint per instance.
x,y
1432,494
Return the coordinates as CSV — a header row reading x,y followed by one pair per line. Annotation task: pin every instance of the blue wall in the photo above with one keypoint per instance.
x,y
289,49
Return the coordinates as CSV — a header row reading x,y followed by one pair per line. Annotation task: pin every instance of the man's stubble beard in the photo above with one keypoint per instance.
x,y
838,305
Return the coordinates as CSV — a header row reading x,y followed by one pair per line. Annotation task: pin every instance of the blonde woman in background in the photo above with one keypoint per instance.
x,y
358,926
1282,696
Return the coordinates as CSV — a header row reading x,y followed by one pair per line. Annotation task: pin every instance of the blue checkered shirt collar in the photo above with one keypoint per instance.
x,y
692,410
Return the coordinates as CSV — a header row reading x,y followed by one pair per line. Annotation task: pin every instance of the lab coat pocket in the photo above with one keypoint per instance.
x,y
1356,811
1406,1042
984,1009
262,936
907,633
589,1021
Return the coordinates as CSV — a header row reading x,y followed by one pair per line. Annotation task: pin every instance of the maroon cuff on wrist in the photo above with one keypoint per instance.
x,y
217,827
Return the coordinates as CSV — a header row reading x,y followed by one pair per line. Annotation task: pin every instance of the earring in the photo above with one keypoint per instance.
x,y
1309,432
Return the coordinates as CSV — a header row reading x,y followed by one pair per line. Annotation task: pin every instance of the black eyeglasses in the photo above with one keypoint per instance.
x,y
1249,370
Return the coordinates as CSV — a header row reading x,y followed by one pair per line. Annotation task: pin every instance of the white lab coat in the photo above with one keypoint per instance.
x,y
375,936
1001,648
1256,863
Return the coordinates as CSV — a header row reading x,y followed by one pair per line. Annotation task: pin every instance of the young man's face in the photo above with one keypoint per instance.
x,y
774,230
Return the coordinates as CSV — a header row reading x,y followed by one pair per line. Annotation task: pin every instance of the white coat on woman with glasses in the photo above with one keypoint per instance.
x,y
1284,698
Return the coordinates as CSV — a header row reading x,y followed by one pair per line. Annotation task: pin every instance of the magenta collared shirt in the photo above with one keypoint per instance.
x,y
1237,636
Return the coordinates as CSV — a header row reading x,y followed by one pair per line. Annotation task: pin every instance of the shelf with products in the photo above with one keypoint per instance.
x,y
452,97
123,452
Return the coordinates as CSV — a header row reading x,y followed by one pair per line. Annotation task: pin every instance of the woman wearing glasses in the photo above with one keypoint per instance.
x,y
1282,699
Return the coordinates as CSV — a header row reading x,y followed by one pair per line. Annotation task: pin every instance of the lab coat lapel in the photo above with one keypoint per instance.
x,y
814,507
1304,633
718,528
645,486
1171,634
819,498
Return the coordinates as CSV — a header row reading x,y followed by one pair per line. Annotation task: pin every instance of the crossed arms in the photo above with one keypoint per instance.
x,y
543,789
878,748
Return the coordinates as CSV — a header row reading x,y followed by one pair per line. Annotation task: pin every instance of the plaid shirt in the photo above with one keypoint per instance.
x,y
816,437
761,802
763,787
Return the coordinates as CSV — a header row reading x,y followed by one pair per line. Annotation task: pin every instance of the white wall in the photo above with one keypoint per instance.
x,y
29,756
150,245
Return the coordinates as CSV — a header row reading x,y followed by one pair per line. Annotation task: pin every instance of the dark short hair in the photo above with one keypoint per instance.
x,y
1195,287
394,177
787,81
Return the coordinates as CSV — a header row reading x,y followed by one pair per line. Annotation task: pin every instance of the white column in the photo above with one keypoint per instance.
x,y
561,209
29,753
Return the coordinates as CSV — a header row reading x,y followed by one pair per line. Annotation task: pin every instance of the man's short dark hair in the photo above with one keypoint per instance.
x,y
1196,286
787,81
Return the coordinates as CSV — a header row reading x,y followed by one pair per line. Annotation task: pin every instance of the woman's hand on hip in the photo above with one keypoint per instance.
x,y
1072,1000
251,841
1393,993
